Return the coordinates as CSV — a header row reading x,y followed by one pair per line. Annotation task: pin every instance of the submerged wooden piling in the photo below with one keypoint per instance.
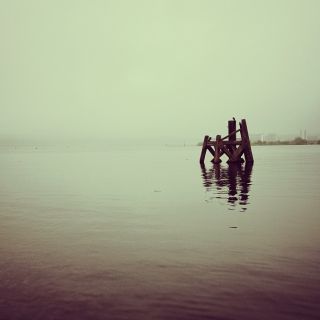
x,y
245,138
232,127
217,152
204,148
232,148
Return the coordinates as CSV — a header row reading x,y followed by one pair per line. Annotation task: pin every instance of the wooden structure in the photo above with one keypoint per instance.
x,y
229,145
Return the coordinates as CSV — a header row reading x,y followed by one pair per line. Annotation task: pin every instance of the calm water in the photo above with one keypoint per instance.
x,y
147,233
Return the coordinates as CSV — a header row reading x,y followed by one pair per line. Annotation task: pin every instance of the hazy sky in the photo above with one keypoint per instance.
x,y
165,69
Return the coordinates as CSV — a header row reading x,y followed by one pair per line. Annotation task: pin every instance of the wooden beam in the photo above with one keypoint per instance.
x,y
232,131
232,143
216,158
226,143
236,156
211,150
245,138
224,138
204,149
225,150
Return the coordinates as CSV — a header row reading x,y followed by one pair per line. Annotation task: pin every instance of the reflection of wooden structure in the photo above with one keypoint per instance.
x,y
233,148
231,183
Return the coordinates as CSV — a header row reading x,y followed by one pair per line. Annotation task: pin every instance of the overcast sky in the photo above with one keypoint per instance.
x,y
163,69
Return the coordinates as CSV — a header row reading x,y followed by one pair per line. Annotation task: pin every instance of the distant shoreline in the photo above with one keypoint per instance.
x,y
295,142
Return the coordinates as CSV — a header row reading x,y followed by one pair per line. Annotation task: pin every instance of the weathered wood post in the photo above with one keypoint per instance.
x,y
232,127
246,141
204,148
217,150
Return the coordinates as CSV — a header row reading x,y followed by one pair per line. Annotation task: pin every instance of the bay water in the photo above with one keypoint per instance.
x,y
128,232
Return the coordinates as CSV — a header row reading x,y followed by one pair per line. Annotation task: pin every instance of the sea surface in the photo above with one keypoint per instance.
x,y
147,233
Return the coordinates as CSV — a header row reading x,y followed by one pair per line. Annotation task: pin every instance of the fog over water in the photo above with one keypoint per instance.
x,y
166,70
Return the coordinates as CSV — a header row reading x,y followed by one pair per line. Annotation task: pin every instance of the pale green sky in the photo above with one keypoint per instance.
x,y
165,69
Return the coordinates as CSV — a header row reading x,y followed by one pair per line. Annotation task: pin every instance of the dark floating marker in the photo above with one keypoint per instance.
x,y
233,227
232,148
